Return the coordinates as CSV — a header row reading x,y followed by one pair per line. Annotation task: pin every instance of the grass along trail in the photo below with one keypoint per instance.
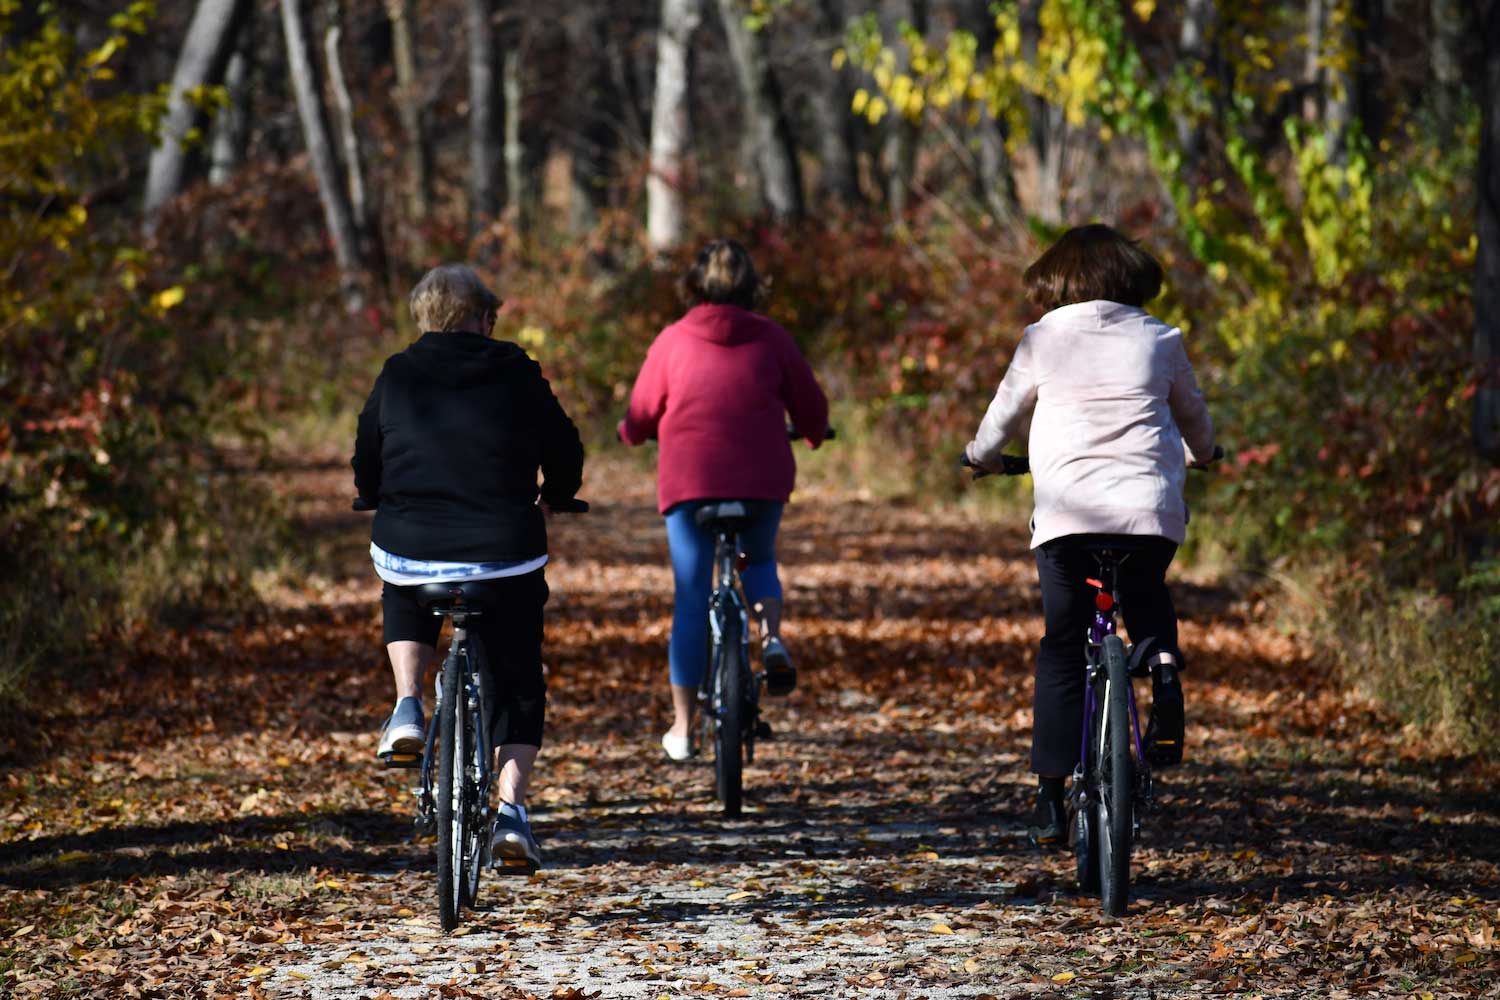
x,y
207,819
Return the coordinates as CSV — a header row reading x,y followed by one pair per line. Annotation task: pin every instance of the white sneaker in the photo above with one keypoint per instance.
x,y
677,747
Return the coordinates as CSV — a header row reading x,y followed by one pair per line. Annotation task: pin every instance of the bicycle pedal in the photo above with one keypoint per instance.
x,y
402,760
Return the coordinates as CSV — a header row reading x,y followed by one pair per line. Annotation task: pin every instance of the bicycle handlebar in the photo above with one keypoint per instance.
x,y
794,434
1010,465
1019,465
573,506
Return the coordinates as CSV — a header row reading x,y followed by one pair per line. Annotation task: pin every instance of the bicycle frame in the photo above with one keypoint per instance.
x,y
725,601
1106,612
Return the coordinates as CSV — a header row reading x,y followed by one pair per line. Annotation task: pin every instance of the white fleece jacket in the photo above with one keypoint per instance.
x,y
1115,416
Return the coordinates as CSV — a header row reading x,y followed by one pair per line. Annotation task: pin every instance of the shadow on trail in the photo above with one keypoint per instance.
x,y
371,841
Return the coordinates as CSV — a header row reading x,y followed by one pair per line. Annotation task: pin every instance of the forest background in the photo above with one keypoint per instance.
x,y
211,211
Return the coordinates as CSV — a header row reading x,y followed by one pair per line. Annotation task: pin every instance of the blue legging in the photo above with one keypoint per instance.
x,y
692,571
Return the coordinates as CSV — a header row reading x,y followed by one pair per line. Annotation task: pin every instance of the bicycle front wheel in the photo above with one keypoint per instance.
x,y
729,761
449,794
1116,781
475,790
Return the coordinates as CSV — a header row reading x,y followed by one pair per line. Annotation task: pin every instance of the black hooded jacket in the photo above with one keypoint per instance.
x,y
448,449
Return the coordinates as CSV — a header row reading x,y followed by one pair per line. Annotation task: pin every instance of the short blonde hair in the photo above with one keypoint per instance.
x,y
449,297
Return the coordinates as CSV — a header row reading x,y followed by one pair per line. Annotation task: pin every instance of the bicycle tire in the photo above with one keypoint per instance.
x,y
450,812
1116,782
729,732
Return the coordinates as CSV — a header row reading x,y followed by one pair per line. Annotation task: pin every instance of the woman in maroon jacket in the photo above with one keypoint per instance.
x,y
716,389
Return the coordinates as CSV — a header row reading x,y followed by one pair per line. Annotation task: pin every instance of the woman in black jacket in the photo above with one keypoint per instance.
x,y
448,450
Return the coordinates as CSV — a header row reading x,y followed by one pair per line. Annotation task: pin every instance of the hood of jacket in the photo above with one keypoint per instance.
x,y
723,324
460,359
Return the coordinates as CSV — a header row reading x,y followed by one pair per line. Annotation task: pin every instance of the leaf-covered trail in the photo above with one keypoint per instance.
x,y
207,820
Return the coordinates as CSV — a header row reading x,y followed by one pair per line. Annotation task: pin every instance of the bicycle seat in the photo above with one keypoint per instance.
x,y
1115,549
444,595
732,514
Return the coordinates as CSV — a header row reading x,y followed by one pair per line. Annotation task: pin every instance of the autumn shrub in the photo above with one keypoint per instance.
x,y
132,376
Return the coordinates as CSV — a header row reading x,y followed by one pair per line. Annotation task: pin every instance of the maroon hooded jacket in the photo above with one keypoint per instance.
x,y
716,388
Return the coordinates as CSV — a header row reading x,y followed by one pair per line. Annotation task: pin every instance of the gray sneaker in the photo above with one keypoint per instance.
x,y
405,731
781,676
513,848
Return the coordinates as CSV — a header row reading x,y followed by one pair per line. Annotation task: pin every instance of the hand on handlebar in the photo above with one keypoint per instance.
x,y
1204,463
1010,465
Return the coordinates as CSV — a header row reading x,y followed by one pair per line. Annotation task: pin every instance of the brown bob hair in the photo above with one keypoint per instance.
x,y
723,274
1093,262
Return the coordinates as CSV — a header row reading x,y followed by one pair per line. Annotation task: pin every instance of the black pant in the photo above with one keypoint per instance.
x,y
1064,567
510,629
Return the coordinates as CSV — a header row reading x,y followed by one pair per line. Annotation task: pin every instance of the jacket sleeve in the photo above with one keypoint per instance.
x,y
367,445
805,402
562,449
648,397
1009,414
1188,409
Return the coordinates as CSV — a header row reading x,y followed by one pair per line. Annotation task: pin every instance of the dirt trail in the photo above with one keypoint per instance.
x,y
208,821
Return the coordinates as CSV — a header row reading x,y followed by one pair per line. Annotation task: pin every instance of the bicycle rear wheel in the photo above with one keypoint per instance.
x,y
449,794
729,730
1116,781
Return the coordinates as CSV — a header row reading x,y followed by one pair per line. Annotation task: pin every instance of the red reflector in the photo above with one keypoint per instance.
x,y
741,562
1104,600
1096,584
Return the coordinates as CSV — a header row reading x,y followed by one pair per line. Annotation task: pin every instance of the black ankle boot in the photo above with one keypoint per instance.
x,y
1165,731
1047,825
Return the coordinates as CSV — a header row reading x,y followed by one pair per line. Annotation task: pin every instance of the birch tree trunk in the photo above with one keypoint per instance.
x,y
307,86
671,124
412,111
231,130
484,121
1487,261
353,151
205,53
517,188
1312,62
765,117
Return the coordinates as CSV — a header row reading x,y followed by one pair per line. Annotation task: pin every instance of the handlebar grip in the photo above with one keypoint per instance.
x,y
362,505
794,434
573,506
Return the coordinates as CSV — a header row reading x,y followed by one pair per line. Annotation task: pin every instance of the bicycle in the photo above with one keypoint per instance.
x,y
1112,784
457,763
729,695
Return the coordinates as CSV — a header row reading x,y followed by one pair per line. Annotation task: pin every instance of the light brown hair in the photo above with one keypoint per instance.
x,y
723,274
1093,262
451,297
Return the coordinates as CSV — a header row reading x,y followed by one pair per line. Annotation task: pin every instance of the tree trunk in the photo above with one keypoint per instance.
x,y
1448,20
1193,48
765,117
1312,62
517,193
307,85
412,111
1048,126
1487,262
353,152
671,124
484,120
995,176
592,137
204,55
902,134
829,100
231,131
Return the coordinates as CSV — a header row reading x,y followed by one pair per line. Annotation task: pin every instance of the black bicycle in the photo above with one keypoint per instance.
x,y
729,697
457,765
1112,785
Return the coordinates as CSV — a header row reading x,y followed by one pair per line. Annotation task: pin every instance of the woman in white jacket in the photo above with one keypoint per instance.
x,y
1105,395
